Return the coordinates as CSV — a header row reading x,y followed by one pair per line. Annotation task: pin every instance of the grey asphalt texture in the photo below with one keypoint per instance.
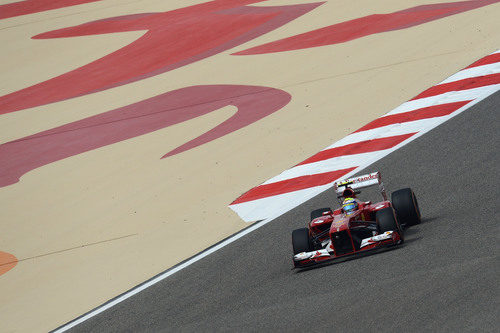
x,y
444,278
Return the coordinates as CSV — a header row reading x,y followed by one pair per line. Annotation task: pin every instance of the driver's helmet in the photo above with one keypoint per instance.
x,y
349,205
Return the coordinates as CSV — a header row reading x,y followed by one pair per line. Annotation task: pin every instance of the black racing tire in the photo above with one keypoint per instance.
x,y
319,212
386,221
405,204
301,241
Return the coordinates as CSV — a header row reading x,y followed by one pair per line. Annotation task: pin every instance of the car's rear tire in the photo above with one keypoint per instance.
x,y
386,221
319,212
301,241
405,203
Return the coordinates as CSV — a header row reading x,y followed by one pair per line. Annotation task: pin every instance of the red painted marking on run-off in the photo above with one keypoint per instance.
x,y
291,185
172,39
21,156
7,262
368,25
423,113
35,6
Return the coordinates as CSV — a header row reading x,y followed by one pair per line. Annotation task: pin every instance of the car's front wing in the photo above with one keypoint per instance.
x,y
388,238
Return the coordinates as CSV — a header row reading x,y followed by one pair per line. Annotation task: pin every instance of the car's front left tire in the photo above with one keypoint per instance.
x,y
405,204
319,212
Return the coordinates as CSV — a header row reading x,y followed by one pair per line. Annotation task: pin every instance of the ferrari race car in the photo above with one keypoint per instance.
x,y
357,226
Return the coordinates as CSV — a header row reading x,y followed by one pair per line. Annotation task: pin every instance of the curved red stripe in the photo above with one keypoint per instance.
x,y
21,156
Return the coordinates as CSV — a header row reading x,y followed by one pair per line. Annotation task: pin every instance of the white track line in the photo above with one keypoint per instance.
x,y
159,278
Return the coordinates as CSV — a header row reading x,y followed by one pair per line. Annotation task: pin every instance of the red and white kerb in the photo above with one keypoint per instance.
x,y
371,142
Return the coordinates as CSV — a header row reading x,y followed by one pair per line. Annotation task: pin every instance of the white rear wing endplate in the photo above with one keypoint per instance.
x,y
367,180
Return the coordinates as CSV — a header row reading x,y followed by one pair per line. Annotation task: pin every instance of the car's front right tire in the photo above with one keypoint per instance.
x,y
319,212
386,221
301,241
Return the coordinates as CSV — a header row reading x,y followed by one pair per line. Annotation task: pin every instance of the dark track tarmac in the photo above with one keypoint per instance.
x,y
444,278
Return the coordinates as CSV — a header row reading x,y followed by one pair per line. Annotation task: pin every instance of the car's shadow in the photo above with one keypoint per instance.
x,y
429,219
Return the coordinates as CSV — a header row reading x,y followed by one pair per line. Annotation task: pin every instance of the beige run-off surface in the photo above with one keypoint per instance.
x,y
89,227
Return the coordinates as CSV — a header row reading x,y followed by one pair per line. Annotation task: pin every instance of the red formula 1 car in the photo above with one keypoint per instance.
x,y
357,226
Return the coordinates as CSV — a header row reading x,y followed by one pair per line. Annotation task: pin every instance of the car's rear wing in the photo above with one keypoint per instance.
x,y
354,183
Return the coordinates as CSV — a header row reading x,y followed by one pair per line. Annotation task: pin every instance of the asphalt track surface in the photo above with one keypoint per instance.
x,y
444,278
